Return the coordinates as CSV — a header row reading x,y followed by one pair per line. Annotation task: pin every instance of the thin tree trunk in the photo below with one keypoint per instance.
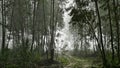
x,y
111,32
100,29
117,29
21,22
11,25
3,28
33,26
97,39
52,34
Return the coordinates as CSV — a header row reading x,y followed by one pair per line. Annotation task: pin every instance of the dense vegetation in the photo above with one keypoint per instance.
x,y
29,30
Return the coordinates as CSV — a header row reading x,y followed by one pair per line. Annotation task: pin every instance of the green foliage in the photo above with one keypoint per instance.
x,y
85,22
64,60
24,20
21,58
12,66
35,57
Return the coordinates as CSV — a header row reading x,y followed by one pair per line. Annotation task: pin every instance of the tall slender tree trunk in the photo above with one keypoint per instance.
x,y
11,25
3,28
33,25
21,21
98,47
117,29
101,38
52,34
111,32
44,23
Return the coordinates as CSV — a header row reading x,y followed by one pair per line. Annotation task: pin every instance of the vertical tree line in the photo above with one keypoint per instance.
x,y
28,29
104,13
115,10
100,31
3,27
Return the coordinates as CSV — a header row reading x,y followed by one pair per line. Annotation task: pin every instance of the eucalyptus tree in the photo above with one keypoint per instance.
x,y
110,18
33,24
111,29
3,28
91,21
45,22
96,21
84,17
115,7
101,37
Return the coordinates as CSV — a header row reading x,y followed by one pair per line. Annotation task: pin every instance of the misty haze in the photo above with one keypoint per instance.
x,y
59,33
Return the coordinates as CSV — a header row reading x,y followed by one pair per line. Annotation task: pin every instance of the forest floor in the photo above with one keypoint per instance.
x,y
75,62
